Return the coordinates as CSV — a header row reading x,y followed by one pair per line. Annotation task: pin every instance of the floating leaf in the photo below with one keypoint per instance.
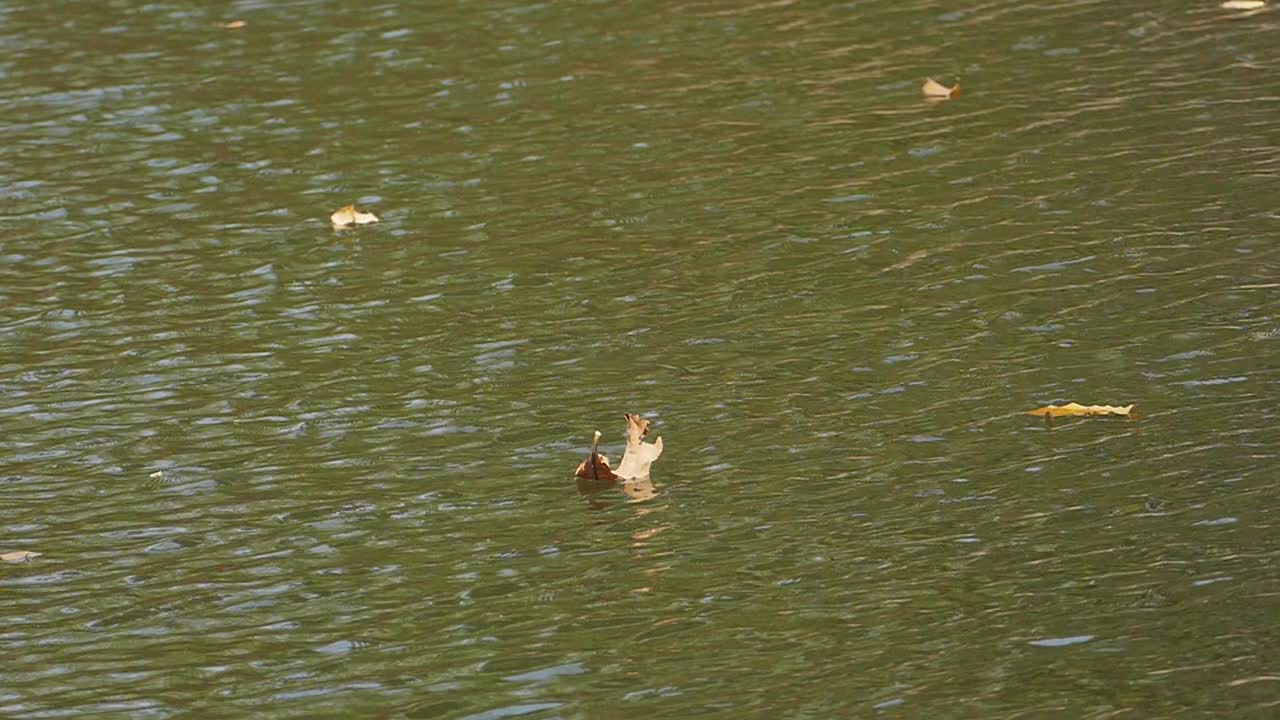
x,y
934,89
632,475
639,455
234,24
18,556
1049,411
596,466
1243,4
349,215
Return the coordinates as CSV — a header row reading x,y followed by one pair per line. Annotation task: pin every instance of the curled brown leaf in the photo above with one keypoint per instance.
x,y
596,466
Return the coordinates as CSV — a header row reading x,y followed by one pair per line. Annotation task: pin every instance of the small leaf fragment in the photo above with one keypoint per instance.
x,y
934,89
18,556
349,215
234,24
1078,409
1243,4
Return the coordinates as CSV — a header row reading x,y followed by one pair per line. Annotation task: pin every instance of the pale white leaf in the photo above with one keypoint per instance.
x,y
18,556
934,89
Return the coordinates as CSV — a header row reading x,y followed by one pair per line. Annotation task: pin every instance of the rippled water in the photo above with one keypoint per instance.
x,y
833,299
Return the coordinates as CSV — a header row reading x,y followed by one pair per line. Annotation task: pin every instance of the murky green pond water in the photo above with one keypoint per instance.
x,y
834,300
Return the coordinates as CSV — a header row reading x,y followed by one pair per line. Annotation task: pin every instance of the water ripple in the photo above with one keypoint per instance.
x,y
834,299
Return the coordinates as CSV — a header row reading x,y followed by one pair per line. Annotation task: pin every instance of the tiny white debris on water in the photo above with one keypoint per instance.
x,y
1061,641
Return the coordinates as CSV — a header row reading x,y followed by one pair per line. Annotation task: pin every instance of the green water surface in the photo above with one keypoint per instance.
x,y
834,299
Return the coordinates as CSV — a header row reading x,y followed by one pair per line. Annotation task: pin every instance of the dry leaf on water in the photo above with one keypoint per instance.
x,y
1049,411
18,556
596,466
594,473
349,215
234,25
934,89
639,455
1243,4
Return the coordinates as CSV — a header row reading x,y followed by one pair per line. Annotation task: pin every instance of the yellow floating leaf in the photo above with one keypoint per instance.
x,y
18,556
934,89
1078,409
349,215
234,24
1243,4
